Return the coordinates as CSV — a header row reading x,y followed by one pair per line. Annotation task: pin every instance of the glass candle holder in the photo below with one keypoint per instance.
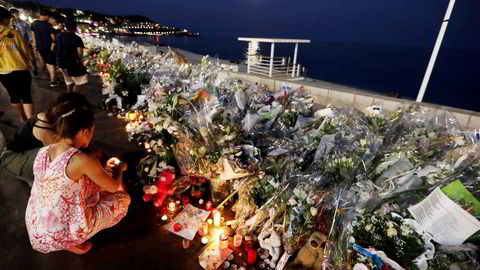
x,y
248,242
223,241
252,256
237,240
204,240
171,207
200,229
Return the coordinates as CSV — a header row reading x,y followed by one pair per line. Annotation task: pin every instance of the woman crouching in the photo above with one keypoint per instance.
x,y
73,197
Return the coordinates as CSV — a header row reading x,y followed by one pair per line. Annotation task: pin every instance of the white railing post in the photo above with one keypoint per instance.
x,y
435,51
249,56
295,59
272,52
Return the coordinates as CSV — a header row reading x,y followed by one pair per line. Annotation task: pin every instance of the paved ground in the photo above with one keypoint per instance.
x,y
135,243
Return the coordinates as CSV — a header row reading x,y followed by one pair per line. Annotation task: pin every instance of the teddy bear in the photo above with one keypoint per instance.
x,y
161,189
311,254
272,242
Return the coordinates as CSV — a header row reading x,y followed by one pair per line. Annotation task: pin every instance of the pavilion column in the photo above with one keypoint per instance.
x,y
272,53
295,60
249,57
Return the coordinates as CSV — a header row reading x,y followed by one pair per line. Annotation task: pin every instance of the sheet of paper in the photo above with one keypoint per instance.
x,y
447,222
212,257
190,219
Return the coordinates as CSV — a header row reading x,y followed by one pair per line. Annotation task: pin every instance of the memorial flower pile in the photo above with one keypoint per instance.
x,y
359,179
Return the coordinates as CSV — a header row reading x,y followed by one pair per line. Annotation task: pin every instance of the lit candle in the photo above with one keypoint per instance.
x,y
204,240
205,228
171,207
209,221
216,234
216,218
164,217
237,240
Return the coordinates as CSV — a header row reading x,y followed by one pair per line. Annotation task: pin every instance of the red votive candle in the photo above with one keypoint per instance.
x,y
185,200
252,256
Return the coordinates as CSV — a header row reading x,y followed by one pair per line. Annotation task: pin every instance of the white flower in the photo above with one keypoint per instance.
x,y
368,227
310,201
160,142
292,201
360,266
158,128
363,142
313,211
202,150
390,224
459,141
406,230
391,232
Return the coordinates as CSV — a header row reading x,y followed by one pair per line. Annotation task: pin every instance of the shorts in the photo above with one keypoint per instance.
x,y
19,86
48,57
19,165
80,80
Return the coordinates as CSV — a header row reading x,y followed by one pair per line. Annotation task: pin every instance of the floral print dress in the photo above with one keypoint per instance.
x,y
61,212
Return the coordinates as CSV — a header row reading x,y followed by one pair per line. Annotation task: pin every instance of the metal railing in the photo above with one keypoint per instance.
x,y
281,66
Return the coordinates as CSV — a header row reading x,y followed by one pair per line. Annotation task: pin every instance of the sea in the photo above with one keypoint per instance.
x,y
386,69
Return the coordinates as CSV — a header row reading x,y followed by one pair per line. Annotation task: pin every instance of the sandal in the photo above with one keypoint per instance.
x,y
81,249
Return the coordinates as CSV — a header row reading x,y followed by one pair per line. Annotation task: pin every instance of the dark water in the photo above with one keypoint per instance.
x,y
385,69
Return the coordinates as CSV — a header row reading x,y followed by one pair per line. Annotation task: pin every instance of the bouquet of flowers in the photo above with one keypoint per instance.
x,y
389,233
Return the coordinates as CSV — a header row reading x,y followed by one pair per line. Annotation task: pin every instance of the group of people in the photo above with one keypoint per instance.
x,y
59,49
73,196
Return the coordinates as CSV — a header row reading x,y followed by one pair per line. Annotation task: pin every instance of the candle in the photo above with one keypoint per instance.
x,y
164,217
209,221
216,218
223,241
185,200
252,256
204,240
205,228
216,235
248,242
171,207
237,240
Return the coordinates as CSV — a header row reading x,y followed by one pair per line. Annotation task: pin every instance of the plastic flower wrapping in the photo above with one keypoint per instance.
x,y
366,185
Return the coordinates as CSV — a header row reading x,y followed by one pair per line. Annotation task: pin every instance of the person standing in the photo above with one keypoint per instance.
x,y
43,41
15,67
69,57
24,29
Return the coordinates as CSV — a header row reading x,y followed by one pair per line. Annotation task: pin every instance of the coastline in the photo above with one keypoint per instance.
x,y
326,92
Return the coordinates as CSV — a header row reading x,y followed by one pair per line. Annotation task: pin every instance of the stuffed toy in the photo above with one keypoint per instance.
x,y
161,189
273,244
310,255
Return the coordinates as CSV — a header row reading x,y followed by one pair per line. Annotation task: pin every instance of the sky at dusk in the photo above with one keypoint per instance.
x,y
399,22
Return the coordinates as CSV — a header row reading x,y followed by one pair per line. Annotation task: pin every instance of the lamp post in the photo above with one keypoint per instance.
x,y
436,49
